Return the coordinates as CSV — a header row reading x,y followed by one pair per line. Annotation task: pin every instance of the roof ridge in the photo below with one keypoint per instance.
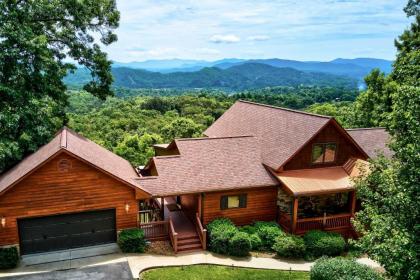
x,y
214,138
365,128
285,109
63,138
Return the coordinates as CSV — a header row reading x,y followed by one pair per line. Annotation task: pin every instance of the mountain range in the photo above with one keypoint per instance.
x,y
355,68
237,74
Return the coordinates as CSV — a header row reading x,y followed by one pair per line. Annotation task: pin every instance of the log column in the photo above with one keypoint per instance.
x,y
162,211
352,203
295,214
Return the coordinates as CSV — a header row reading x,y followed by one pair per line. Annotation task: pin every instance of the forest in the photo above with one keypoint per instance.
x,y
130,123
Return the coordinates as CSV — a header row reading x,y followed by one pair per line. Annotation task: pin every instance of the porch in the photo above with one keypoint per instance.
x,y
166,219
316,199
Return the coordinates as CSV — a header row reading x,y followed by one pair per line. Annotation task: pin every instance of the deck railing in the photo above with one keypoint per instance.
x,y
341,221
173,236
155,230
145,216
285,221
202,233
333,222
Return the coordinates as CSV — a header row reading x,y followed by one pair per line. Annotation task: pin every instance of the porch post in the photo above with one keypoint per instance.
x,y
295,213
162,212
353,203
199,205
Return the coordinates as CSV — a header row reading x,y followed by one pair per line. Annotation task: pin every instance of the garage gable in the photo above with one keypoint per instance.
x,y
76,145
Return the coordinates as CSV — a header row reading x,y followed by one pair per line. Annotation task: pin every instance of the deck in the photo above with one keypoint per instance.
x,y
337,223
182,225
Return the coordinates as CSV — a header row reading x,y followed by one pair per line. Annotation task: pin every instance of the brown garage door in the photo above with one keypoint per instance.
x,y
67,231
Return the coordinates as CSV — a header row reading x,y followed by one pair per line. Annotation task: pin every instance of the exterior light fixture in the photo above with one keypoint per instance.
x,y
3,222
127,207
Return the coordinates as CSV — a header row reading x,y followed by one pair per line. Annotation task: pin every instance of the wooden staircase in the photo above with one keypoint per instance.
x,y
189,242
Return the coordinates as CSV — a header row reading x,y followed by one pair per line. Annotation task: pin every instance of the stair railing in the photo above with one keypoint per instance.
x,y
202,232
173,235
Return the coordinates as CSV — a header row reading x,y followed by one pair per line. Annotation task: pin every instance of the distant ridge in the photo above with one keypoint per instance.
x,y
356,68
250,75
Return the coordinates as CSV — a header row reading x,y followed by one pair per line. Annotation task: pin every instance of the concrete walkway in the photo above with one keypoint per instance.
x,y
140,262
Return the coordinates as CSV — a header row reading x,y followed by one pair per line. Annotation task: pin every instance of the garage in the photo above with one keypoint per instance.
x,y
68,231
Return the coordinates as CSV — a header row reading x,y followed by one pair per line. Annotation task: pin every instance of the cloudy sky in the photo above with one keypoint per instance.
x,y
289,29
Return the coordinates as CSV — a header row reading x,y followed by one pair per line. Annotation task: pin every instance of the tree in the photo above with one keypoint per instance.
x,y
373,106
137,149
390,217
181,128
37,39
343,112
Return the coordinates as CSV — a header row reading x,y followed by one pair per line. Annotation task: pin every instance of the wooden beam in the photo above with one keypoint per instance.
x,y
295,214
199,205
352,203
162,211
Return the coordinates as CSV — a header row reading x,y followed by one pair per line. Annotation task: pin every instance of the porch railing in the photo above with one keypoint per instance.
x,y
145,216
333,222
285,221
173,236
155,230
336,222
202,233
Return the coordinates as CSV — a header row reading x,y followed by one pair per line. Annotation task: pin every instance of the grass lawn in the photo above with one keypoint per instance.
x,y
215,272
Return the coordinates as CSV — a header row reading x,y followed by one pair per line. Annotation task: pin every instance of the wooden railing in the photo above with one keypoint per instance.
x,y
145,216
285,221
155,230
202,233
333,222
173,236
341,221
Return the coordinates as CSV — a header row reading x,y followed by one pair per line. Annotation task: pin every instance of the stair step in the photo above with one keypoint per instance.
x,y
189,241
189,247
189,236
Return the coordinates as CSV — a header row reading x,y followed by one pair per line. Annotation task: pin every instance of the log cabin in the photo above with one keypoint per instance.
x,y
255,163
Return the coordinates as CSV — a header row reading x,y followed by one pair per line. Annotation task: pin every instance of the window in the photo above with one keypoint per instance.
x,y
324,153
233,201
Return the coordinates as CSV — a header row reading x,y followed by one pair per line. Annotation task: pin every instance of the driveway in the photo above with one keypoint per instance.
x,y
114,271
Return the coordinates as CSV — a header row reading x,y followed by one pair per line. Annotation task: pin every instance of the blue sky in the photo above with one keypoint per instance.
x,y
299,29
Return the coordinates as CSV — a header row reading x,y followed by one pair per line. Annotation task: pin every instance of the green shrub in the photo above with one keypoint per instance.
x,y
248,229
289,246
239,244
321,243
268,232
219,224
9,257
343,269
255,241
132,240
220,233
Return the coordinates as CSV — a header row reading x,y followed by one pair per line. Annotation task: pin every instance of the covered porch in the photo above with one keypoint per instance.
x,y
174,218
316,199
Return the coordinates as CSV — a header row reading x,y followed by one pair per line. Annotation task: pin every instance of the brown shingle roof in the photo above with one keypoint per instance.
x,y
209,164
73,143
322,180
281,132
372,140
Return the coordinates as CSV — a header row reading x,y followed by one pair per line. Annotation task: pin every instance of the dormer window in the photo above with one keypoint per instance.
x,y
324,152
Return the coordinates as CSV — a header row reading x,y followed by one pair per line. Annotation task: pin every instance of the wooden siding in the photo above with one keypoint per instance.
x,y
261,206
330,134
189,204
49,191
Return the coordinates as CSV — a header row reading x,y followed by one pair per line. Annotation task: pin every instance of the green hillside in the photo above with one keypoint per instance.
x,y
240,77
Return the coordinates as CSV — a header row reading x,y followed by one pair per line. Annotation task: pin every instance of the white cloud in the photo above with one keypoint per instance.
x,y
214,29
258,38
230,38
